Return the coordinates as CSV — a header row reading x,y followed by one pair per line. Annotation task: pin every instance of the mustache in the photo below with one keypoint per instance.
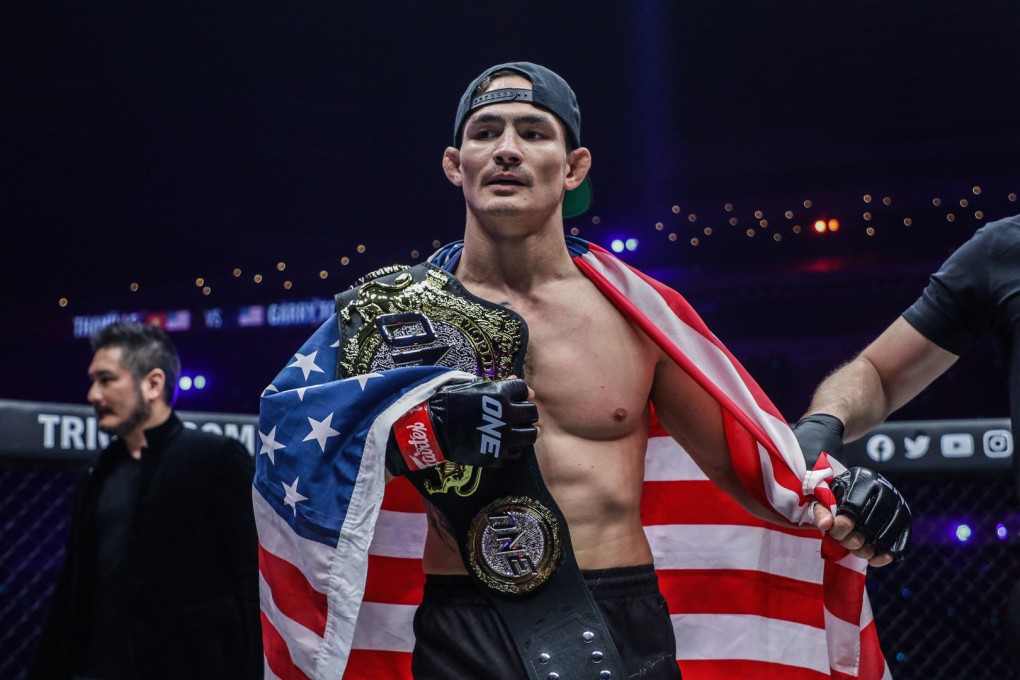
x,y
520,175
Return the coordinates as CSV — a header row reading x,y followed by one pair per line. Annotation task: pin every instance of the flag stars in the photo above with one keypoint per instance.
x,y
291,496
270,445
306,362
362,379
321,431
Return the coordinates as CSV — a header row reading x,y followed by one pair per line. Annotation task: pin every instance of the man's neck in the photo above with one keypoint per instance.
x,y
135,439
501,258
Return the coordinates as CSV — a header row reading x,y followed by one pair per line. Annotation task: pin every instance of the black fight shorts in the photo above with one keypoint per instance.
x,y
459,635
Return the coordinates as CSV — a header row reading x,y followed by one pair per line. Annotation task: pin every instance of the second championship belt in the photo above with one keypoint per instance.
x,y
513,539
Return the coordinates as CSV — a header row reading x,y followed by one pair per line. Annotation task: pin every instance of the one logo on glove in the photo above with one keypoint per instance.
x,y
514,545
492,411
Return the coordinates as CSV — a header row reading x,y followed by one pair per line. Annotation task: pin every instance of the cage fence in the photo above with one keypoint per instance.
x,y
940,613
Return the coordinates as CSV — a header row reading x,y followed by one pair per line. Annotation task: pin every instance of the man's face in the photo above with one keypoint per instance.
x,y
115,394
513,158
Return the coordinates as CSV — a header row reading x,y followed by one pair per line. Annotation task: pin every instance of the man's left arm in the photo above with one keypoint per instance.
x,y
694,419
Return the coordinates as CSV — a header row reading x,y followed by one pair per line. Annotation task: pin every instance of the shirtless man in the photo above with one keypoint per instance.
x,y
513,166
592,379
591,373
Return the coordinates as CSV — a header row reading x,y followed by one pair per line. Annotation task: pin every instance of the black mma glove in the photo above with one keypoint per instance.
x,y
474,423
881,513
818,433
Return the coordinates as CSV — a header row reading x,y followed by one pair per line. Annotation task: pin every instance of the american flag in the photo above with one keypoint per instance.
x,y
250,316
179,320
340,550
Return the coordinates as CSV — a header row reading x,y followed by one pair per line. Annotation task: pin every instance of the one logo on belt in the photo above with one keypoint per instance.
x,y
509,546
412,339
514,544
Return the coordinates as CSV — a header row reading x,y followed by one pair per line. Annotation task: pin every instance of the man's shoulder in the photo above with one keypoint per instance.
x,y
194,439
1006,227
207,453
996,240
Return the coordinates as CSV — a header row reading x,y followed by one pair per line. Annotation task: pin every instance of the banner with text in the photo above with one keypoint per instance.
x,y
69,432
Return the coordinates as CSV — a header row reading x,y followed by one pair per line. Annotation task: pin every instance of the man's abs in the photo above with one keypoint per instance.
x,y
597,486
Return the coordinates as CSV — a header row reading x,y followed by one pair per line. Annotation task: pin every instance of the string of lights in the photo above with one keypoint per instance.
x,y
694,228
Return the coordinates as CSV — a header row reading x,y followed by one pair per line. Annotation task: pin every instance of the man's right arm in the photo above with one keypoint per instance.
x,y
887,374
477,422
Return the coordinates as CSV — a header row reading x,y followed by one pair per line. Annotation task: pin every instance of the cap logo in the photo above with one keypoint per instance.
x,y
508,94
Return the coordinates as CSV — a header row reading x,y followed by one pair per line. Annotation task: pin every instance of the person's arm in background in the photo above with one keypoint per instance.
x,y
890,372
859,396
874,522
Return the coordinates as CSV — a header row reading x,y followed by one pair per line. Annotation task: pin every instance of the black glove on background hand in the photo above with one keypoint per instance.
x,y
881,513
474,423
817,433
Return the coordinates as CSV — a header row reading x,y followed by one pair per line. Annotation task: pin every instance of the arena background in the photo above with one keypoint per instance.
x,y
223,169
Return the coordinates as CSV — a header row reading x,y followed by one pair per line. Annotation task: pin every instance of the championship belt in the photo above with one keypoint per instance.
x,y
513,539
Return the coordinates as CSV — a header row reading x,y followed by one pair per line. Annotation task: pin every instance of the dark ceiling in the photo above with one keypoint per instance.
x,y
155,143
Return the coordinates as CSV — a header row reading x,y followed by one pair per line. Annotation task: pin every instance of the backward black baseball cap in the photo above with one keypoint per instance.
x,y
548,91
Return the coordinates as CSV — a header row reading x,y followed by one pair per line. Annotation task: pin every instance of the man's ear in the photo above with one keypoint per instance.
x,y
578,165
153,384
451,165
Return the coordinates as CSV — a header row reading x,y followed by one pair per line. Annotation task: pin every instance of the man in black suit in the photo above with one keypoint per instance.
x,y
160,579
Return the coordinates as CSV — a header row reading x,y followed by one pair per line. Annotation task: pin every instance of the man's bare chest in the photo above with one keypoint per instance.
x,y
590,369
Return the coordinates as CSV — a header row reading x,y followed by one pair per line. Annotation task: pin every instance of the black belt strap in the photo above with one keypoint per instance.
x,y
557,628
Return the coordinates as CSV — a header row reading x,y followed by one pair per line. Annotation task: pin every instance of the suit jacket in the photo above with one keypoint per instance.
x,y
191,565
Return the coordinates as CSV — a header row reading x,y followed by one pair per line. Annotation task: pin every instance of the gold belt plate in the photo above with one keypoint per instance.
x,y
408,322
514,544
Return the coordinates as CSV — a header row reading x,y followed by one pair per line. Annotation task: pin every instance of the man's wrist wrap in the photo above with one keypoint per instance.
x,y
819,433
415,441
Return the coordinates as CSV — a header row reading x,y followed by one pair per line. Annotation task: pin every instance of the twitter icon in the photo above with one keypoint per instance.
x,y
915,447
